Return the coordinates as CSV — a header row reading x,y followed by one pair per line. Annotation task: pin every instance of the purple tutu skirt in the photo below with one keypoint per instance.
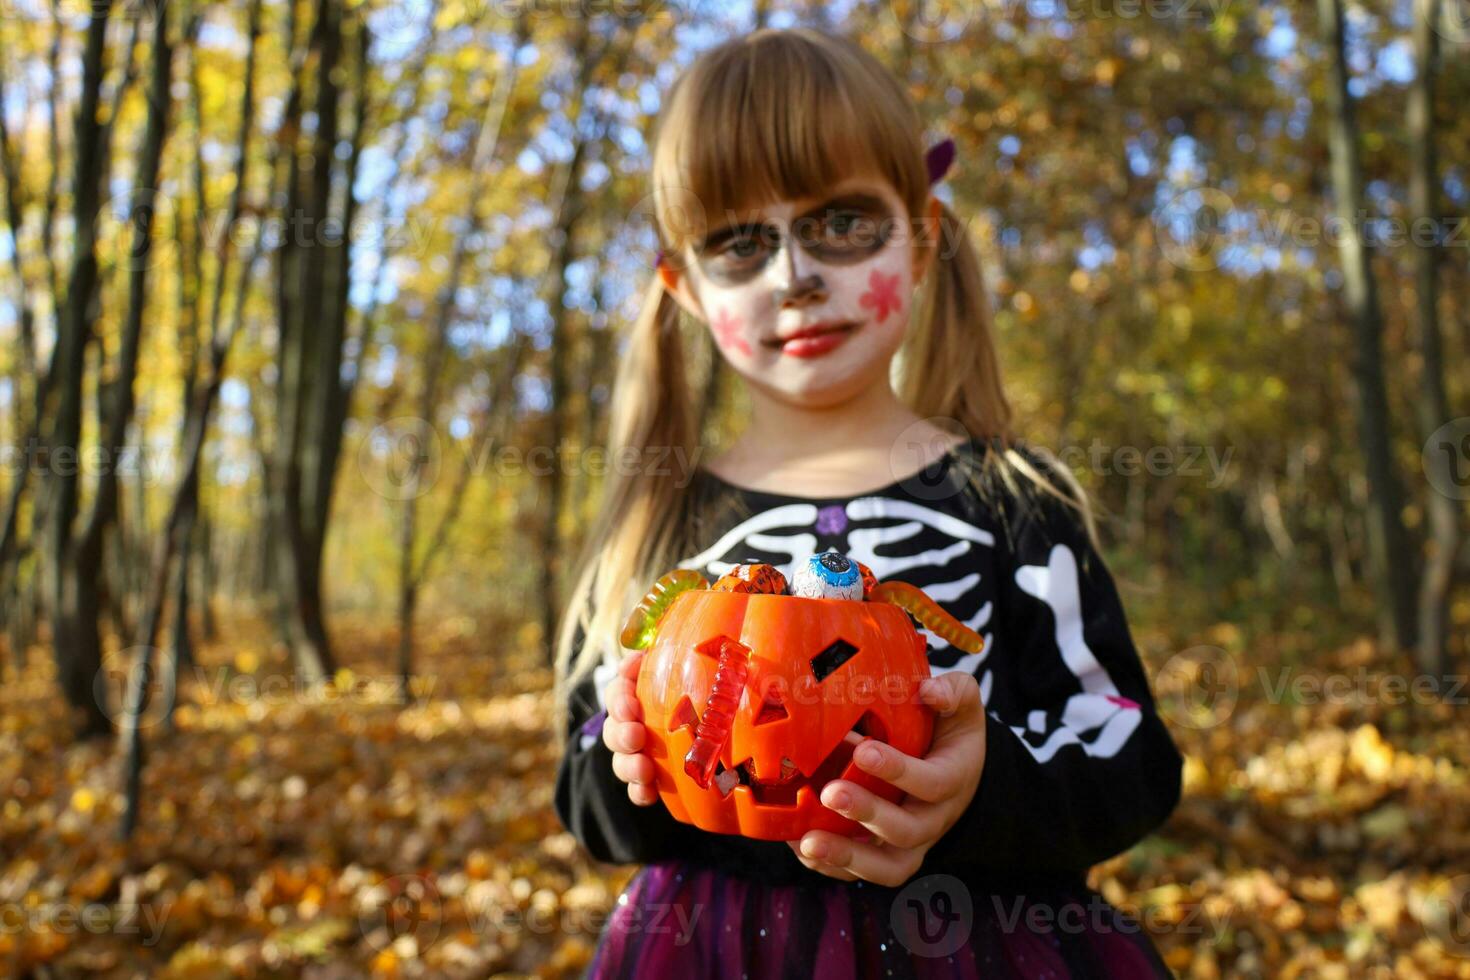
x,y
677,919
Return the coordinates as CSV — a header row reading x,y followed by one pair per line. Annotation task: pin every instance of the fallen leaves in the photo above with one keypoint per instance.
x,y
1314,840
339,833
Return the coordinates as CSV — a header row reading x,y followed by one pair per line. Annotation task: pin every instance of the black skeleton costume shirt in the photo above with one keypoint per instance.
x,y
1079,765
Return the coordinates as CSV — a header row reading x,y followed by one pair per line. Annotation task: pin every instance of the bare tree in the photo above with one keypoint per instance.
x,y
1432,402
411,574
1388,545
75,643
312,274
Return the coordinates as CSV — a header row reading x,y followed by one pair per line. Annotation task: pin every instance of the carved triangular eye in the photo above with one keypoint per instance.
x,y
836,654
773,708
684,715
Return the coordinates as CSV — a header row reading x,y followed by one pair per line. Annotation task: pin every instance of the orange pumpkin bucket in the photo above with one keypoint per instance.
x,y
819,675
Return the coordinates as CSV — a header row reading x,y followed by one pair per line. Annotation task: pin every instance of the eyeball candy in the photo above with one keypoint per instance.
x,y
830,575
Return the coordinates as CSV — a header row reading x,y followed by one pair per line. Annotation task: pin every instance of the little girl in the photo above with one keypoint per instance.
x,y
794,205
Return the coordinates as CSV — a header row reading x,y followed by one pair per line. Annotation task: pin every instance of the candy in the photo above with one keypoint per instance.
x,y
753,578
870,580
719,711
642,624
830,575
929,614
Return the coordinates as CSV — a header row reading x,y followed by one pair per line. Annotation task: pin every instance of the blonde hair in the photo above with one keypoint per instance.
x,y
773,115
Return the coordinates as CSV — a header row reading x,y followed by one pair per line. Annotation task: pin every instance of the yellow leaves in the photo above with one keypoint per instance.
x,y
386,964
1370,754
1196,774
1382,902
1305,842
83,800
95,881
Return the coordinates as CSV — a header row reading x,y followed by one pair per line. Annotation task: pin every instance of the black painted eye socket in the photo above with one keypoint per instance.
x,y
837,653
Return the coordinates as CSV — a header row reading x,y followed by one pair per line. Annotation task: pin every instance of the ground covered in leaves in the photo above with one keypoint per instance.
x,y
1325,829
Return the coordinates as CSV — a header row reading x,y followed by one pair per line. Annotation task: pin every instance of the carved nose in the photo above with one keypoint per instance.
x,y
773,708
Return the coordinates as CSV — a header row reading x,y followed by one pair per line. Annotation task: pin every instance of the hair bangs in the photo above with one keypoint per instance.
x,y
779,115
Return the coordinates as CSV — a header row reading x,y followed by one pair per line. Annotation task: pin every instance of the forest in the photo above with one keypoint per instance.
x,y
310,312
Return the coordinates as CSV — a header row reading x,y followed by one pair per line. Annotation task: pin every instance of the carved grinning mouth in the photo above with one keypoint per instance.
x,y
782,789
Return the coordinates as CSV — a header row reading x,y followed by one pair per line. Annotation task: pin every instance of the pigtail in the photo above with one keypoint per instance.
x,y
641,520
951,369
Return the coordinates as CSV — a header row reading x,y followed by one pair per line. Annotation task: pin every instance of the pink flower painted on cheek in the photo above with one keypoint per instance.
x,y
882,295
727,331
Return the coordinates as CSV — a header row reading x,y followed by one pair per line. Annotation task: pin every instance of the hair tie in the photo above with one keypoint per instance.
x,y
938,158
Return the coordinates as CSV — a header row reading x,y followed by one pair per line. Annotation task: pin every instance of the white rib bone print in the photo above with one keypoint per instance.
x,y
748,534
759,538
1097,718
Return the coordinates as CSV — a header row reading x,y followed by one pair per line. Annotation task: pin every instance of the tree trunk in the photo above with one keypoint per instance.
x,y
311,302
564,239
1432,402
72,603
485,143
1388,545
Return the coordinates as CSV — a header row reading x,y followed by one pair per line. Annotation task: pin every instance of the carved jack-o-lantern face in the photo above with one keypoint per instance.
x,y
821,674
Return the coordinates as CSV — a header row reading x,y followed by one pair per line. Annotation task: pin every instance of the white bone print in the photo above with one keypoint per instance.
x,y
1099,719
781,536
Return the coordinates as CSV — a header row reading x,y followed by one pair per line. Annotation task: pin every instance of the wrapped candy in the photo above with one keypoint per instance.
x,y
759,579
830,575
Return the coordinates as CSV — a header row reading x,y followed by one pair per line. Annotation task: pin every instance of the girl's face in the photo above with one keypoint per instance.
x,y
807,299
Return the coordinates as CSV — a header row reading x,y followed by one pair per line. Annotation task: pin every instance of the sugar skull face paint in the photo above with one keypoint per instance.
x,y
808,297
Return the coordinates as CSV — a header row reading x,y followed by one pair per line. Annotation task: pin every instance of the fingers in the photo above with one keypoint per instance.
x,y
635,768
925,779
623,736
943,773
628,669
902,826
951,694
642,794
820,867
629,764
622,700
880,864
958,745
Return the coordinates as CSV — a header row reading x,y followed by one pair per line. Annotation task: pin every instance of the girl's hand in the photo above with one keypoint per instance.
x,y
623,733
939,786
